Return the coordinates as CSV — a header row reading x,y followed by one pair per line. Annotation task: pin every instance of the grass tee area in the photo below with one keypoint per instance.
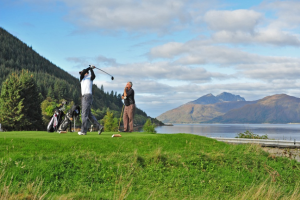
x,y
41,165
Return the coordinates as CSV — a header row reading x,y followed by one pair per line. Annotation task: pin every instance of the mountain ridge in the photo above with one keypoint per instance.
x,y
211,99
278,108
205,108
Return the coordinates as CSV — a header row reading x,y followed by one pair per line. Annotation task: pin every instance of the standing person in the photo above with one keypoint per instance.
x,y
129,110
86,80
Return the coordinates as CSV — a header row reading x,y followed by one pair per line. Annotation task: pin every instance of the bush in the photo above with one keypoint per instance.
x,y
149,127
110,123
250,135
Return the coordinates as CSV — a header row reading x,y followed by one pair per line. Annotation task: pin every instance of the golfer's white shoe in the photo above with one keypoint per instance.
x,y
100,130
80,133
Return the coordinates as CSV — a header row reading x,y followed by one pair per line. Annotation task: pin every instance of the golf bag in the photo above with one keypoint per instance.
x,y
73,113
56,119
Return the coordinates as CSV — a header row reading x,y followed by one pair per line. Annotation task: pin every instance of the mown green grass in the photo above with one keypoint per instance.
x,y
41,165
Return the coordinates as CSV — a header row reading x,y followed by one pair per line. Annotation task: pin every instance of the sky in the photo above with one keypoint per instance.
x,y
174,51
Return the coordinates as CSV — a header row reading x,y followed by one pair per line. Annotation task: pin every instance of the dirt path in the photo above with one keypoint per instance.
x,y
289,153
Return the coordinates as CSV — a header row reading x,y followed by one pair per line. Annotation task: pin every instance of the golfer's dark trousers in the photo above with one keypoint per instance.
x,y
128,117
86,113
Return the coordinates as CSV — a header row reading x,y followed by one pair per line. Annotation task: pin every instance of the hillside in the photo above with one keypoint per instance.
x,y
203,109
51,80
279,108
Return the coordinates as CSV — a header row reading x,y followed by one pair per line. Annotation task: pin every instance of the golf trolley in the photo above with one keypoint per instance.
x,y
60,121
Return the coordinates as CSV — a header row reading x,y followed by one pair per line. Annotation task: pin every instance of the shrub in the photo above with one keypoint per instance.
x,y
250,135
149,127
110,123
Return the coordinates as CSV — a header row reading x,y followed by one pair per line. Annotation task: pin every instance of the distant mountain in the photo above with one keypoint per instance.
x,y
206,99
197,113
203,109
280,108
223,97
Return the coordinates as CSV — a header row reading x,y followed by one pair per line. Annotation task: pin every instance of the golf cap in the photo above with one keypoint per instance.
x,y
82,70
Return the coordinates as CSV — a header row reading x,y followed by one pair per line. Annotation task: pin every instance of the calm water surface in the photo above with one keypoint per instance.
x,y
274,131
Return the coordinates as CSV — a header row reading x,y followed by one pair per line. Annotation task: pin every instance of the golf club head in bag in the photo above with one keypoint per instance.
x,y
55,120
57,117
71,114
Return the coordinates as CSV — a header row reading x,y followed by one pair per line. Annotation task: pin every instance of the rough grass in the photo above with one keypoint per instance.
x,y
41,165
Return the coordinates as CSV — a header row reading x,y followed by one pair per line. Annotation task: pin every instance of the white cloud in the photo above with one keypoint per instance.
x,y
166,71
106,61
100,60
191,59
135,17
286,12
265,36
277,37
167,50
236,20
273,71
251,27
193,52
130,15
240,26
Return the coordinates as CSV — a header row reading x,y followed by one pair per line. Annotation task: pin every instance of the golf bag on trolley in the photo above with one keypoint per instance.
x,y
60,120
71,115
56,119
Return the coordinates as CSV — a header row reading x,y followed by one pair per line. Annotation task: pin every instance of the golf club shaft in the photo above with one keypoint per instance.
x,y
103,71
120,118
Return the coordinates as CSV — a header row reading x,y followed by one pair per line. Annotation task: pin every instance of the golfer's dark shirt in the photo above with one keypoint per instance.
x,y
130,97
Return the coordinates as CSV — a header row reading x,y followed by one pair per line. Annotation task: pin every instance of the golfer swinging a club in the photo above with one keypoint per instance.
x,y
86,81
129,110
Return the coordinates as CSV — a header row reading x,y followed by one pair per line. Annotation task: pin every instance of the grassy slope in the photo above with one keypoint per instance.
x,y
139,166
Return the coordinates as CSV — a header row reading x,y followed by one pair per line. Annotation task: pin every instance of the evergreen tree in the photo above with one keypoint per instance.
x,y
32,102
11,103
50,93
20,103
110,123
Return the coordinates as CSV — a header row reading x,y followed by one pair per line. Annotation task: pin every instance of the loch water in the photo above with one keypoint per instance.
x,y
274,131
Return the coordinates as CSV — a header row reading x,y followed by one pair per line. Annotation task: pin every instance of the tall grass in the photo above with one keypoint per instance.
x,y
40,165
269,191
32,191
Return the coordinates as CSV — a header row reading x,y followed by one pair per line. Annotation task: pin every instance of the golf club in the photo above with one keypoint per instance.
x,y
112,78
120,118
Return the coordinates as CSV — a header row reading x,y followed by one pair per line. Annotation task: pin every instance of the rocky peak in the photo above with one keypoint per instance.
x,y
225,96
211,99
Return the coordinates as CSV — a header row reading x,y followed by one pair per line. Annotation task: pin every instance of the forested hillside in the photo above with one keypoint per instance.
x,y
16,55
51,80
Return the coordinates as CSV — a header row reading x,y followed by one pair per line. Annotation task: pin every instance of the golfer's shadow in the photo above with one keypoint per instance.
x,y
141,161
